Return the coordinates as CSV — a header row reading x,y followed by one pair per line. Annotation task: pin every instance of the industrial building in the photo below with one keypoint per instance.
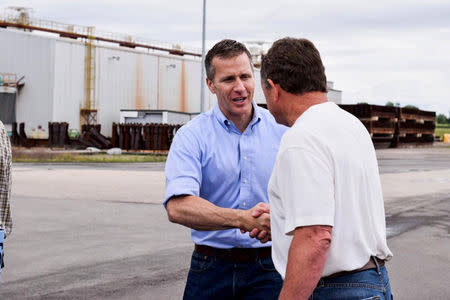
x,y
73,74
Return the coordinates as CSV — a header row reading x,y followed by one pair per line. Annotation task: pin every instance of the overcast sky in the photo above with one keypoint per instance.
x,y
374,51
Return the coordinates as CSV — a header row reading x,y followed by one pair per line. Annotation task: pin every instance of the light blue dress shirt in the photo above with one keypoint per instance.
x,y
209,157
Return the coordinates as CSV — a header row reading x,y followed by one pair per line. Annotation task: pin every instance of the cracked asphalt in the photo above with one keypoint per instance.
x,y
99,231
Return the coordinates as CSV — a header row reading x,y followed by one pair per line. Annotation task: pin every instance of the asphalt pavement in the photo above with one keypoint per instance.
x,y
99,231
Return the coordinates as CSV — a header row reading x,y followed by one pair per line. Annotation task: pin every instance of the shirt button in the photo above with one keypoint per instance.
x,y
245,180
245,204
245,157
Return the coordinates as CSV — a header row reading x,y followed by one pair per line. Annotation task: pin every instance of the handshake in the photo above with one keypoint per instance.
x,y
256,221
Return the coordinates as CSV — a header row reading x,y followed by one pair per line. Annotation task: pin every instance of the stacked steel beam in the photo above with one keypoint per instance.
x,y
416,127
143,137
58,134
391,126
91,137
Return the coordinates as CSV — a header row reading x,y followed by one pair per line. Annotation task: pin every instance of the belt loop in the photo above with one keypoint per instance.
x,y
376,264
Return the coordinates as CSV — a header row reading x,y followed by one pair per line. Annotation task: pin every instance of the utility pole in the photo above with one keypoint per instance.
x,y
202,83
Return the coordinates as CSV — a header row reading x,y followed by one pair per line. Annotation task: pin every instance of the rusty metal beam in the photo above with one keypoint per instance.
x,y
74,35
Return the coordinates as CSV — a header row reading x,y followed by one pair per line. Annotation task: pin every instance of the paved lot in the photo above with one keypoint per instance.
x,y
99,231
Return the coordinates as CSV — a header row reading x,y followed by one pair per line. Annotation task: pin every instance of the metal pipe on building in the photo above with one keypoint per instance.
x,y
202,68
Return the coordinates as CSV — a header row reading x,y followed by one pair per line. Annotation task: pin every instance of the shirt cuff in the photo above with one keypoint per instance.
x,y
181,186
290,226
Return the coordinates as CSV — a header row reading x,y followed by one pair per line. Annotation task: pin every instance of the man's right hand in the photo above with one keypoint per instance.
x,y
200,214
257,222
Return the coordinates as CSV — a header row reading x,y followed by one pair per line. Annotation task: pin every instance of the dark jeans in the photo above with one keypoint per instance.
x,y
2,239
368,284
211,278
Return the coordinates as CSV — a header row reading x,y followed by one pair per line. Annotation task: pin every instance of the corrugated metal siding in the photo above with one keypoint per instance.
x,y
125,80
192,83
69,93
169,87
31,56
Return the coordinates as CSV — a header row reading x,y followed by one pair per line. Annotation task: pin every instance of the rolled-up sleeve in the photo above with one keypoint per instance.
x,y
183,166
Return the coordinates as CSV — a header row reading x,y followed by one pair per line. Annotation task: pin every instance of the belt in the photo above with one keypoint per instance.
x,y
370,265
235,255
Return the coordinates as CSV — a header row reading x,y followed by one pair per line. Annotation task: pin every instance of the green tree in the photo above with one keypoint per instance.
x,y
442,119
389,103
411,106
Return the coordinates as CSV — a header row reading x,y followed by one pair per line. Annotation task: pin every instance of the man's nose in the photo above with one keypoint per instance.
x,y
239,87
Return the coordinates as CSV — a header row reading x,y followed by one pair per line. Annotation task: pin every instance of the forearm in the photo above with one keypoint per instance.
x,y
200,214
307,256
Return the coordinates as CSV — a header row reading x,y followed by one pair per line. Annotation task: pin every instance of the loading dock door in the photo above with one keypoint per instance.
x,y
8,105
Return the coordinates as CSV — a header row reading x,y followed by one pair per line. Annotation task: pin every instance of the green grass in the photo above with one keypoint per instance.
x,y
89,158
442,129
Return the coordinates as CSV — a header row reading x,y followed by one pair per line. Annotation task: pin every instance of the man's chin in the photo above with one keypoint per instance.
x,y
243,107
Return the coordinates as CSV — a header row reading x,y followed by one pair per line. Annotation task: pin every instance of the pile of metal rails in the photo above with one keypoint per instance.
x,y
91,137
58,137
125,136
391,126
137,136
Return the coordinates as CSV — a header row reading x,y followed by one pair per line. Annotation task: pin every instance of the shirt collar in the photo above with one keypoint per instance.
x,y
224,122
256,115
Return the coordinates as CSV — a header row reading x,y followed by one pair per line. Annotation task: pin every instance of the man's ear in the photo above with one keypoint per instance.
x,y
210,85
274,89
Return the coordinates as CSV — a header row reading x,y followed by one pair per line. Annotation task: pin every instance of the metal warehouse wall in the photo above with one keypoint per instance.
x,y
68,92
33,56
54,70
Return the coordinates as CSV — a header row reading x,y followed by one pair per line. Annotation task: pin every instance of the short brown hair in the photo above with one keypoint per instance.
x,y
224,49
294,64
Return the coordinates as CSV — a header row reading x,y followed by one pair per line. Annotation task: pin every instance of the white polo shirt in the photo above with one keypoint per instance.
x,y
326,173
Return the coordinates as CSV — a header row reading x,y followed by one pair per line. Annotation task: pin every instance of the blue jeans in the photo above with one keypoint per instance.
x,y
211,278
368,284
2,240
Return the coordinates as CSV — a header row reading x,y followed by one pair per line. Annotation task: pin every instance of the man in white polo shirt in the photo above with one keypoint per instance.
x,y
327,211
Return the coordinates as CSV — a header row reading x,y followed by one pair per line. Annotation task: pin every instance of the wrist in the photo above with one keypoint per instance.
x,y
239,220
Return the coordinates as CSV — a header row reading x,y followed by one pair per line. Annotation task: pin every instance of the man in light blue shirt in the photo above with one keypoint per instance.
x,y
217,172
